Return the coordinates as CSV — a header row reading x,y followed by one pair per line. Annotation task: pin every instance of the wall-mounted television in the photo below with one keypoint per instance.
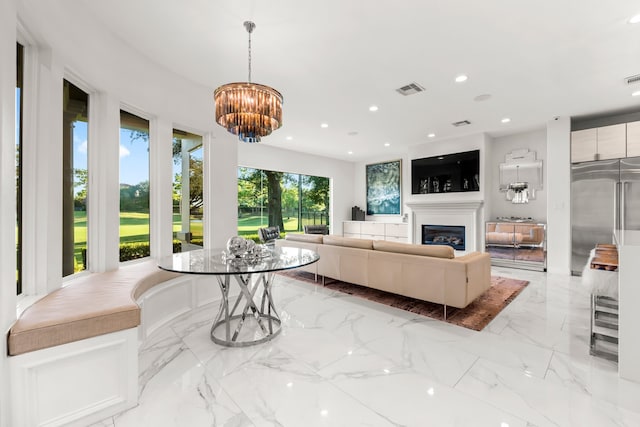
x,y
448,173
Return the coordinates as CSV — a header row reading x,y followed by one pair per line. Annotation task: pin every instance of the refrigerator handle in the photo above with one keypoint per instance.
x,y
617,220
623,193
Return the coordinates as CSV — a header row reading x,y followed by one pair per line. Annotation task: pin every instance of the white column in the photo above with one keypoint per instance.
x,y
103,201
161,178
42,180
7,192
220,156
558,185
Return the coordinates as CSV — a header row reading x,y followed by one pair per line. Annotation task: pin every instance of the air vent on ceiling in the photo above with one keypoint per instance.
x,y
410,89
632,79
461,123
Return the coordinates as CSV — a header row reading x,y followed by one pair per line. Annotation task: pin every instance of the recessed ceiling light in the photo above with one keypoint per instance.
x,y
636,93
373,108
289,138
432,135
349,152
386,144
483,97
506,120
634,19
461,78
324,125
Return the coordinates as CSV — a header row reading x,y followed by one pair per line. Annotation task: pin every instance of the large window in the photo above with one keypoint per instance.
x,y
19,89
74,179
287,200
134,187
187,191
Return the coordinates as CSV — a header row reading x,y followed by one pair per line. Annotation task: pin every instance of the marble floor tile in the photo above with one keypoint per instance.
x,y
594,377
540,402
344,361
276,389
183,394
408,398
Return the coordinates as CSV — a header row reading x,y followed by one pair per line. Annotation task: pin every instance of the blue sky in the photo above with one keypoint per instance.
x,y
134,155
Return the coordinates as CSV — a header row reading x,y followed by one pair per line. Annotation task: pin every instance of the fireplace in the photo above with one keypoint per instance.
x,y
451,235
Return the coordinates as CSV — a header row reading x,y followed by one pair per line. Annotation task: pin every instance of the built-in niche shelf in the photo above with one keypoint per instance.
x,y
390,231
447,173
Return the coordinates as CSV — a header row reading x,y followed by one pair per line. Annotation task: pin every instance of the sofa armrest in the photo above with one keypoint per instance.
x,y
478,268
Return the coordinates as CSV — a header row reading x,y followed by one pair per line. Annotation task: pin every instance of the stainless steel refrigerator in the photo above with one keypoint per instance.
x,y
605,195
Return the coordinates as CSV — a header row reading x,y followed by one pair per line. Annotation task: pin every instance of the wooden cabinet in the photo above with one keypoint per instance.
x,y
372,230
584,145
633,139
603,143
351,229
612,142
395,232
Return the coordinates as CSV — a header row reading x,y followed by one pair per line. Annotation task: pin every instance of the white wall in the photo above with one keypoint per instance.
x,y
7,193
478,141
428,149
360,185
500,206
340,172
558,172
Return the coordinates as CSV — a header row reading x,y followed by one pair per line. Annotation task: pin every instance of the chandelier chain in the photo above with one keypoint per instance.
x,y
249,57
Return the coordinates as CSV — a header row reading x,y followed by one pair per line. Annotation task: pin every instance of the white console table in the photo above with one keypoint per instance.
x,y
390,231
628,242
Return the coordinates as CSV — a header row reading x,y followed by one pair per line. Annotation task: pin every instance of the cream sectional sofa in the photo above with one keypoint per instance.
x,y
430,273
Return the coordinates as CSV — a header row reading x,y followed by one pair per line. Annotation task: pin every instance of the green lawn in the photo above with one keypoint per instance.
x,y
249,225
134,227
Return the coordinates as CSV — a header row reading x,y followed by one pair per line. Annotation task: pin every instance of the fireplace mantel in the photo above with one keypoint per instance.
x,y
439,204
450,212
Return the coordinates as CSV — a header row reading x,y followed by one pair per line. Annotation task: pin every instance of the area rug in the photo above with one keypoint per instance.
x,y
475,316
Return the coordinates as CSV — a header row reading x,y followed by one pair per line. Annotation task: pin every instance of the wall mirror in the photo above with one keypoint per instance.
x,y
521,176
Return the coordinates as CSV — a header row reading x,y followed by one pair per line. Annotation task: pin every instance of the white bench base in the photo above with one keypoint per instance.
x,y
86,381
77,383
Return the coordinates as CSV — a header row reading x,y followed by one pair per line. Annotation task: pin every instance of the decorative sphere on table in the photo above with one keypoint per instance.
x,y
237,246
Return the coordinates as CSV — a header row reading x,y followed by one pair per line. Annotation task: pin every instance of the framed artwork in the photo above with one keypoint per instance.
x,y
384,188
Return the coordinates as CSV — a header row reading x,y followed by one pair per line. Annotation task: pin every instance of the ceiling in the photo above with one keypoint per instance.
x,y
332,60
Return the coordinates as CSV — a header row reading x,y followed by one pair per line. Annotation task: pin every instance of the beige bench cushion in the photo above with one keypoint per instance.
x,y
92,305
437,251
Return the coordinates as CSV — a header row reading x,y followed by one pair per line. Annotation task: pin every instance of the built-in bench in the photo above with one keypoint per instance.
x,y
74,352
93,305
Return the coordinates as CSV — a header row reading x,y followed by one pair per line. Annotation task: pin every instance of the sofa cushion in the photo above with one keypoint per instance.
x,y
351,242
436,251
309,238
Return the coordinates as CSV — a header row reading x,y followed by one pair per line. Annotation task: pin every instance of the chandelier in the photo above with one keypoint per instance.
x,y
249,110
518,192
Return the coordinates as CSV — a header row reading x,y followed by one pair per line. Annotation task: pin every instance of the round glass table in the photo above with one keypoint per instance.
x,y
251,318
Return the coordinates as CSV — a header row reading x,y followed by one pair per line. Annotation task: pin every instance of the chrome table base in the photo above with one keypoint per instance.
x,y
250,319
